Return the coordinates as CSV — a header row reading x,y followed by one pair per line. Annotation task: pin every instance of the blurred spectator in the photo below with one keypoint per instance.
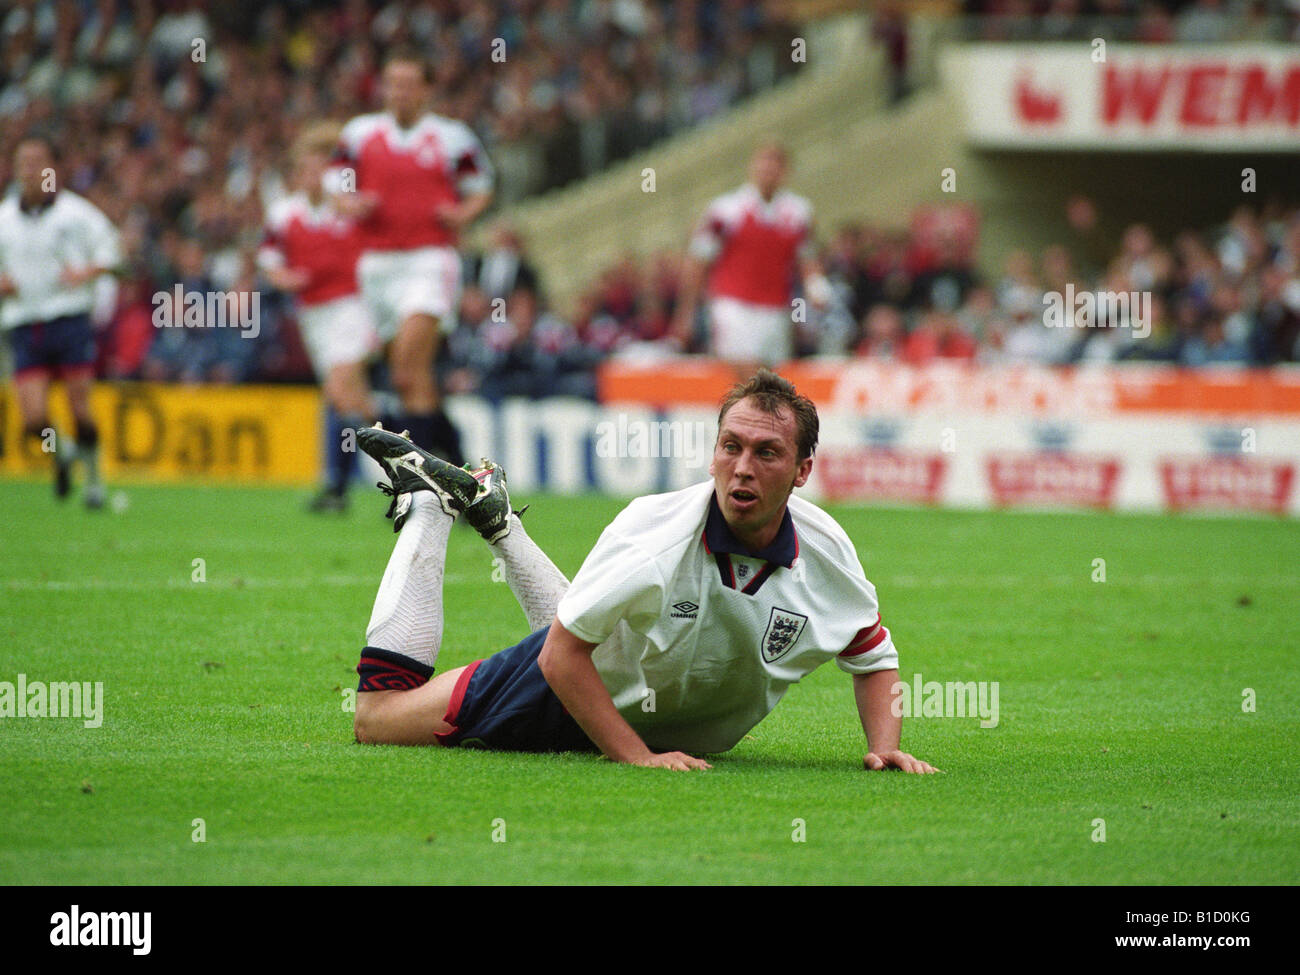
x,y
1204,22
882,334
1145,21
947,277
527,351
889,30
193,352
1212,346
503,267
937,335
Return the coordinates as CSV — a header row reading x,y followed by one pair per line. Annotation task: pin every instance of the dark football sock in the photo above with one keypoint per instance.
x,y
35,430
339,462
446,434
347,458
88,449
423,432
63,454
384,670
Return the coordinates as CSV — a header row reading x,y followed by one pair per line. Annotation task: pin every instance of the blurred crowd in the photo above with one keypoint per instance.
x,y
1229,296
174,119
556,89
1144,21
174,116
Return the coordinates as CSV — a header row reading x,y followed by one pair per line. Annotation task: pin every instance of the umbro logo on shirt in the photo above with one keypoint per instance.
x,y
685,610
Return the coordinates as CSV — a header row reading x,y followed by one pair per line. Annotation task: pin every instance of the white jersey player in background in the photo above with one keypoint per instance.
x,y
708,603
54,246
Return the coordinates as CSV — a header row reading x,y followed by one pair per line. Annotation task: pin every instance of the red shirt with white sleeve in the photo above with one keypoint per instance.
x,y
314,239
412,172
754,245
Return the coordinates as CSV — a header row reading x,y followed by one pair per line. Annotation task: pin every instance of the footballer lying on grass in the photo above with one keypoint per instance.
x,y
709,602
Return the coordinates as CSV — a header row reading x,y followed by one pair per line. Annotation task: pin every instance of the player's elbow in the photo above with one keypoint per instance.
x,y
561,654
365,724
552,659
546,661
363,730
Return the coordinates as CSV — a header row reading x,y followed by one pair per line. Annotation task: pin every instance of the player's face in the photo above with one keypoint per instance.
x,y
768,170
755,467
31,160
404,90
311,170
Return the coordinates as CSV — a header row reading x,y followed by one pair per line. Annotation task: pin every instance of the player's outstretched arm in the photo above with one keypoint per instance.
x,y
874,693
75,277
692,281
565,662
458,216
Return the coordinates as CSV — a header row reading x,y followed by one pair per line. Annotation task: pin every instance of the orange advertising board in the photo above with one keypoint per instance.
x,y
863,386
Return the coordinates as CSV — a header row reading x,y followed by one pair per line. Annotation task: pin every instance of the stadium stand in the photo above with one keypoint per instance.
x,y
174,117
183,147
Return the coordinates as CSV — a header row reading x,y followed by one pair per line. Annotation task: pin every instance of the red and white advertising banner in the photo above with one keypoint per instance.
x,y
1133,438
1136,438
1230,97
851,473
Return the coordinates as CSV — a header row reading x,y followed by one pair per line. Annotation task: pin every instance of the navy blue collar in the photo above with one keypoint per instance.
x,y
719,538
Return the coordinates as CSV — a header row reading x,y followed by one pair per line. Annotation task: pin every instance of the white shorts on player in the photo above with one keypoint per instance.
x,y
399,284
337,333
744,332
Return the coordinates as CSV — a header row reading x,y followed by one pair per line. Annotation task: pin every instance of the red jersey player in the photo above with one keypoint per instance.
x,y
414,180
752,242
311,251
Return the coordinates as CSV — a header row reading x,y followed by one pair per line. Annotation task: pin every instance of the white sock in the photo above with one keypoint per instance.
x,y
407,617
532,577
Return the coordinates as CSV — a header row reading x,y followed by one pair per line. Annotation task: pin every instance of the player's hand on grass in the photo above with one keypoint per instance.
x,y
677,761
897,760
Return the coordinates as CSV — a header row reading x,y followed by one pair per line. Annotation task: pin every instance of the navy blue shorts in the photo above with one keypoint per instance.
x,y
504,703
58,347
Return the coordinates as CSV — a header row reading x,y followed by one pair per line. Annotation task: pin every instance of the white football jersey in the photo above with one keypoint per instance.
x,y
699,638
36,247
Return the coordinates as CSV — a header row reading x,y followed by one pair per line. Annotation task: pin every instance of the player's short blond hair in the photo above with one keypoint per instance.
x,y
316,137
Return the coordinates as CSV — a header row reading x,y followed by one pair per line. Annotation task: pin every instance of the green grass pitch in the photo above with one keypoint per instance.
x,y
1119,701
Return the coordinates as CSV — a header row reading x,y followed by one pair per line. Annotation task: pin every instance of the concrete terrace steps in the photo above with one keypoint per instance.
x,y
830,114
